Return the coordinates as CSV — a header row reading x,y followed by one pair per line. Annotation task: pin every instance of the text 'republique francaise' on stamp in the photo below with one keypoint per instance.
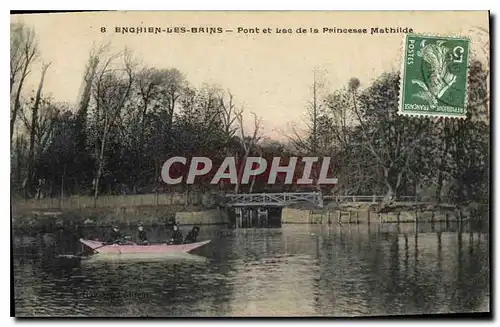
x,y
434,76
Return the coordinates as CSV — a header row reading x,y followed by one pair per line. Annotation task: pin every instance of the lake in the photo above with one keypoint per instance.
x,y
296,270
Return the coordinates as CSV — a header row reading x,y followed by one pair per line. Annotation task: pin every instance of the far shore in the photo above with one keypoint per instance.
x,y
299,213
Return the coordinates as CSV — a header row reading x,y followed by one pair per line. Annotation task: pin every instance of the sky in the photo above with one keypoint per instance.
x,y
269,74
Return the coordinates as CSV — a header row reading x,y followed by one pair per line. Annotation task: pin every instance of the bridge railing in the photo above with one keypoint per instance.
x,y
273,198
313,197
353,198
379,198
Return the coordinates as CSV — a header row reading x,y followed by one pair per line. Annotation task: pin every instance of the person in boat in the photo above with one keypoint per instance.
x,y
142,238
115,237
192,235
176,235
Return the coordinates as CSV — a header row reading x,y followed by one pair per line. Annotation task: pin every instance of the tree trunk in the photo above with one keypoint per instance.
x,y
395,193
85,100
252,185
12,81
240,171
34,120
237,185
186,195
254,177
17,101
442,163
389,195
439,187
100,165
19,162
62,187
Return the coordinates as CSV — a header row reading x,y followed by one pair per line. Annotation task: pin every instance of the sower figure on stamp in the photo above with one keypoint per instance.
x,y
434,76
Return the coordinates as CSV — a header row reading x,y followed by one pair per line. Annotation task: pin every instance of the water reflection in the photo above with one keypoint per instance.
x,y
295,270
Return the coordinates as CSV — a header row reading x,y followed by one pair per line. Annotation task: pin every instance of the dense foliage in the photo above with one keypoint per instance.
x,y
129,119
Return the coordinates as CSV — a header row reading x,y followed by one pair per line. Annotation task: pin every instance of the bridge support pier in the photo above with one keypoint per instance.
x,y
264,214
259,217
239,217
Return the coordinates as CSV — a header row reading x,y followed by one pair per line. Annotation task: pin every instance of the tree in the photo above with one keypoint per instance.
x,y
112,88
57,158
18,165
33,131
247,142
469,141
229,116
352,164
306,139
455,158
95,59
23,52
390,138
316,139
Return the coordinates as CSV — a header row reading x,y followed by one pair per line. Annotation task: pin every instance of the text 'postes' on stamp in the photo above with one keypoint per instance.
x,y
434,76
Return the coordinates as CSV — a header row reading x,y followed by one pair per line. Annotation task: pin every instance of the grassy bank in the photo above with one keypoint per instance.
x,y
303,213
149,215
355,213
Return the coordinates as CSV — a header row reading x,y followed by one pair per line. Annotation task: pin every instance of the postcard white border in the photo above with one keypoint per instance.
x,y
492,5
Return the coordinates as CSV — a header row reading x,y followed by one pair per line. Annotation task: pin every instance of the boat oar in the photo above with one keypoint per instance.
x,y
103,245
81,254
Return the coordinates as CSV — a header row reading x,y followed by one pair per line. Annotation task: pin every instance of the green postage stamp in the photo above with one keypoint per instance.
x,y
434,76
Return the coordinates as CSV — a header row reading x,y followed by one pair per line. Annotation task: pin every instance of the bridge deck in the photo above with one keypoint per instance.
x,y
272,199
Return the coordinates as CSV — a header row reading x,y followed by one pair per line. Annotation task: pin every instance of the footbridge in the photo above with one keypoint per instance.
x,y
272,199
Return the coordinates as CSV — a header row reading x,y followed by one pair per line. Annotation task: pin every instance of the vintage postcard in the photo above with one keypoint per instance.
x,y
250,164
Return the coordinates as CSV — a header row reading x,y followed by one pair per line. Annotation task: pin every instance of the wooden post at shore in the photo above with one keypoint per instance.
x,y
406,252
368,216
339,217
398,217
439,241
357,217
416,246
239,217
349,217
460,221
